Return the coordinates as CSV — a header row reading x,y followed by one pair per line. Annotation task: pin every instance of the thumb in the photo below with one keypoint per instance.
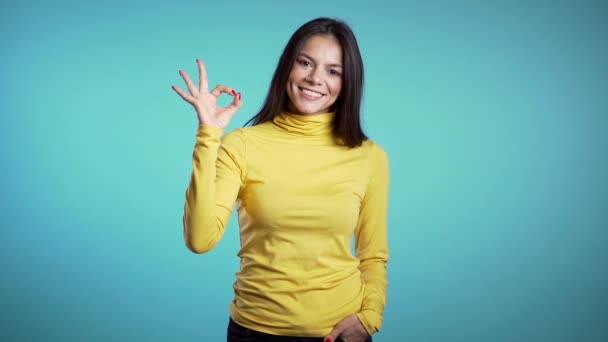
x,y
334,334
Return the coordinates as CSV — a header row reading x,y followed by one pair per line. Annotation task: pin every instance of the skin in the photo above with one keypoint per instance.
x,y
318,68
205,102
349,329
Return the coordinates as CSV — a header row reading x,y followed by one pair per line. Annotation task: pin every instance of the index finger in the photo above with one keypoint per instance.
x,y
203,85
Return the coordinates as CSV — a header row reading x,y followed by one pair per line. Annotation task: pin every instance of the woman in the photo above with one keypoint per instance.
x,y
306,180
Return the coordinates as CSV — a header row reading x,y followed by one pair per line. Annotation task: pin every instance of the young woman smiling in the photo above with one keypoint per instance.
x,y
306,181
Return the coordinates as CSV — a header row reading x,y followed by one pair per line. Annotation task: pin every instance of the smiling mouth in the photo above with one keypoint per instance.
x,y
311,94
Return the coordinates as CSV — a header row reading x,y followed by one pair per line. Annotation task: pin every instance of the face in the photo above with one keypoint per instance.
x,y
315,80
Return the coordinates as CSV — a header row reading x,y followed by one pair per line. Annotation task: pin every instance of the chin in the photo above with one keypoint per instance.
x,y
310,110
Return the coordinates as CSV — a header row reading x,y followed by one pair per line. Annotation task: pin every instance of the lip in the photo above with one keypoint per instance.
x,y
308,97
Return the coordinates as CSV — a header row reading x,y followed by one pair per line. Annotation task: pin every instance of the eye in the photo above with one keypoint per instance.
x,y
334,72
304,62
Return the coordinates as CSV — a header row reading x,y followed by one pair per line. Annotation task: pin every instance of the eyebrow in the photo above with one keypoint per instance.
x,y
312,59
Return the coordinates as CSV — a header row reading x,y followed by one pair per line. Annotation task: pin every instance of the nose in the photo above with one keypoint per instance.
x,y
314,76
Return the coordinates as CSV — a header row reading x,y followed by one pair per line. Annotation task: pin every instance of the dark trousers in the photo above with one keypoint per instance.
x,y
238,333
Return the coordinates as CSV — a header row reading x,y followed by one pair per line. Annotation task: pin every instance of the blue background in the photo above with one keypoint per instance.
x,y
494,116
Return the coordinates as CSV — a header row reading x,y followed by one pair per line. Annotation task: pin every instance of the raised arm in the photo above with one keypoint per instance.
x,y
216,164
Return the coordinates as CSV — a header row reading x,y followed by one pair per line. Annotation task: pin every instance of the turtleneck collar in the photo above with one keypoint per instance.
x,y
306,125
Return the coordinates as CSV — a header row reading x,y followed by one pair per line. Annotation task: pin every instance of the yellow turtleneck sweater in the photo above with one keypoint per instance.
x,y
301,198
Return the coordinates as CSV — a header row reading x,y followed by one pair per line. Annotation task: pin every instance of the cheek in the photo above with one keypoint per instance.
x,y
296,73
291,82
294,79
336,87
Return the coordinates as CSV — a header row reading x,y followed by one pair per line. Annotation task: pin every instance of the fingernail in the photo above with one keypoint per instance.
x,y
197,60
327,339
239,99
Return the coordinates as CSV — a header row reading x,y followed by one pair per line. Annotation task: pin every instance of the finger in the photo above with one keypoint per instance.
x,y
191,88
222,89
237,101
203,85
182,93
334,334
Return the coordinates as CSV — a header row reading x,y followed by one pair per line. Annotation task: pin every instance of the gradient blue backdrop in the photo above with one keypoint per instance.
x,y
494,116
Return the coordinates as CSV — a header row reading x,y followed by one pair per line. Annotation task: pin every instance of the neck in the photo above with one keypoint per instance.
x,y
305,124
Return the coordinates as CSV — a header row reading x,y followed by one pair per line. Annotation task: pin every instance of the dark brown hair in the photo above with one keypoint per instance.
x,y
347,122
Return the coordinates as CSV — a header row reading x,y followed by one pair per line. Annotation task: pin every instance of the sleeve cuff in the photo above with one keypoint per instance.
x,y
207,135
371,320
209,130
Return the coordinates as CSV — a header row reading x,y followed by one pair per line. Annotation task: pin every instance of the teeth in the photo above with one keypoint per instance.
x,y
311,93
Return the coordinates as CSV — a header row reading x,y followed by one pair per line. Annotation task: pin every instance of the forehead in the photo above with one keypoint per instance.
x,y
325,47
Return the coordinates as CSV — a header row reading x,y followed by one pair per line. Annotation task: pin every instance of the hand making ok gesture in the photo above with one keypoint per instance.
x,y
205,102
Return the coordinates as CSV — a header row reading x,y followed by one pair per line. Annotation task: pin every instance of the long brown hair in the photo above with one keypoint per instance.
x,y
347,122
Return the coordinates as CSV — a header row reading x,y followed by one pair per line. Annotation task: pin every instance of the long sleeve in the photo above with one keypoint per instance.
x,y
371,242
302,198
214,185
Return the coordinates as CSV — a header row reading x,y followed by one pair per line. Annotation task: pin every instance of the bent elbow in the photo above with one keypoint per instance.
x,y
196,243
198,248
197,239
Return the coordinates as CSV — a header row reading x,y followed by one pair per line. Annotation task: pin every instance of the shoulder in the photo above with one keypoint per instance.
x,y
377,158
250,132
233,142
240,137
376,153
378,165
234,136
